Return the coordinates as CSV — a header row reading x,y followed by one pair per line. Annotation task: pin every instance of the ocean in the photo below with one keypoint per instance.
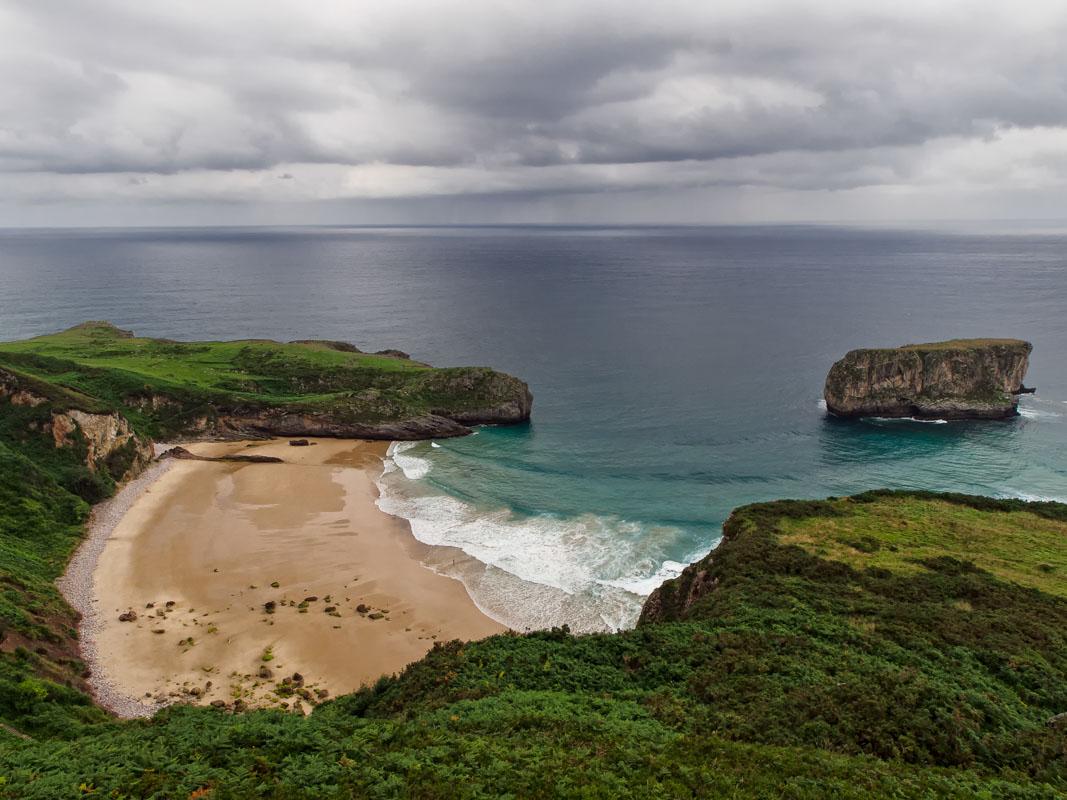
x,y
677,372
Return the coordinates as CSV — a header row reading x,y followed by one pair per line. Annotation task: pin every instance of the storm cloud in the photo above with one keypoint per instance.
x,y
120,108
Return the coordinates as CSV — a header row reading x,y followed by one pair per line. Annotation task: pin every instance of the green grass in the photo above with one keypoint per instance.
x,y
205,365
525,745
797,672
40,673
904,645
901,533
96,360
966,344
167,388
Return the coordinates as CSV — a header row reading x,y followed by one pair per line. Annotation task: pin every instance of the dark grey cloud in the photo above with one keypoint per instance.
x,y
218,101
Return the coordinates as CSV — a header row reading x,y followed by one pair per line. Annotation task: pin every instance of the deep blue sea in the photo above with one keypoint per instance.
x,y
677,372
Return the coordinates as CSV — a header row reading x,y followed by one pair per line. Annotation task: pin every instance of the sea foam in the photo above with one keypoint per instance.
x,y
909,419
1035,413
1011,494
591,572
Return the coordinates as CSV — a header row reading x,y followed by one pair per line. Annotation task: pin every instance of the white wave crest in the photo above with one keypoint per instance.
x,y
1035,413
591,572
1011,494
644,585
411,465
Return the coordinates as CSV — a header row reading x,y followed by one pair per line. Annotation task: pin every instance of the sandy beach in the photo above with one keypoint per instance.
x,y
260,584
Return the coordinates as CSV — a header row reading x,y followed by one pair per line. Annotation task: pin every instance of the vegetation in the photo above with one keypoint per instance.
x,y
168,388
904,645
968,344
879,662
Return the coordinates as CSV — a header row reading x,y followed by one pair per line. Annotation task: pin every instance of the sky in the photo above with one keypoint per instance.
x,y
135,112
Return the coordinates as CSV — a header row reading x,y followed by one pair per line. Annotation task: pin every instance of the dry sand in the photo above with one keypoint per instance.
x,y
200,554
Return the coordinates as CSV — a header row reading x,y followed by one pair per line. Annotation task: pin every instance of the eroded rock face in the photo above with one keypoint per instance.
x,y
104,435
673,599
463,397
16,394
281,422
960,379
110,443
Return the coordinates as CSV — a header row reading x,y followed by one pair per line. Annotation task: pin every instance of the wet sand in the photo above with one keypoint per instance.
x,y
202,552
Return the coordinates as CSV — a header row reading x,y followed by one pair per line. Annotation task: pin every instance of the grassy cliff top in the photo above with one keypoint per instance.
x,y
899,536
224,366
1023,544
905,645
961,344
164,386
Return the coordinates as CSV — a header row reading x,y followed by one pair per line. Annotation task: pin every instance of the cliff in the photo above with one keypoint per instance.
x,y
903,645
774,548
958,379
58,449
258,387
892,644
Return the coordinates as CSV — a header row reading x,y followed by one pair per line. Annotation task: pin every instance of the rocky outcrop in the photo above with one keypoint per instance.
x,y
462,397
263,422
329,344
107,437
12,390
182,454
502,399
260,388
673,598
110,443
959,379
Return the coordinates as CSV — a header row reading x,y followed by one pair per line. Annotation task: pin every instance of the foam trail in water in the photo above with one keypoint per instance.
x,y
591,572
1011,494
1034,413
908,419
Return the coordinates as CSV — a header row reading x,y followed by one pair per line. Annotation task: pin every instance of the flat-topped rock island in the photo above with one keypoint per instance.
x,y
956,379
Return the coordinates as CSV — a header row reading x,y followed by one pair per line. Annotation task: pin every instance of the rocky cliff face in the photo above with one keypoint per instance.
x,y
672,600
463,397
109,443
238,423
960,379
258,387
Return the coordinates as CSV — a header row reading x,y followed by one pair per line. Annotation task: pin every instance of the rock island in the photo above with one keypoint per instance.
x,y
957,379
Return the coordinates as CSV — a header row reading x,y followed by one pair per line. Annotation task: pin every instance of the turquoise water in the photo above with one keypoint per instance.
x,y
677,372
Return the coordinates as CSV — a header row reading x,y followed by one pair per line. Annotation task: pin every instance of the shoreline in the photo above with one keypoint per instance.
x,y
77,587
233,558
496,550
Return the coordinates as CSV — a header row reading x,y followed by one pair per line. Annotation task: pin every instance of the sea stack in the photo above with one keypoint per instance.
x,y
957,379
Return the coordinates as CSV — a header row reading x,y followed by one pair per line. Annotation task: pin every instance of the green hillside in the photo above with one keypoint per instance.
x,y
903,645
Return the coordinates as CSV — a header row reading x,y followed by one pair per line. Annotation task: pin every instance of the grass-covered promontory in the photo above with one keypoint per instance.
x,y
902,645
167,388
